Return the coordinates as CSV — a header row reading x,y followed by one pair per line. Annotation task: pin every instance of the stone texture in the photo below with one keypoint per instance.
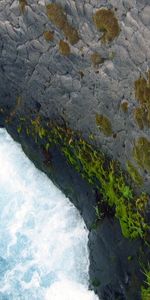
x,y
71,88
34,69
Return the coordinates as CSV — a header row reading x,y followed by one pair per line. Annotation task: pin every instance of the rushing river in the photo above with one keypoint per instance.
x,y
43,239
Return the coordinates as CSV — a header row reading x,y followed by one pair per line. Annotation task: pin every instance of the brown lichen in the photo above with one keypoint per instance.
x,y
71,33
141,153
96,59
104,124
124,105
142,94
105,20
22,4
49,35
136,177
57,15
64,48
140,116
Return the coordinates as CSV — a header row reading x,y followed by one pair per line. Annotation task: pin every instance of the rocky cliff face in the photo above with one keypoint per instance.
x,y
93,84
84,64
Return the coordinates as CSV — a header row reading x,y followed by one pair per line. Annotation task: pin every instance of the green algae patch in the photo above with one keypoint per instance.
x,y
103,174
64,48
136,177
104,124
142,94
58,17
106,21
141,153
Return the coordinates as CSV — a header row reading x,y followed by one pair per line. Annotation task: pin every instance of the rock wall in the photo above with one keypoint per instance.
x,y
84,64
92,85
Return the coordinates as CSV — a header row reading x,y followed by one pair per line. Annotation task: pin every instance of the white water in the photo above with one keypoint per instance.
x,y
43,240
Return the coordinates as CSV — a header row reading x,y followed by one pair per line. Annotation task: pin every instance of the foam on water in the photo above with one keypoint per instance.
x,y
43,239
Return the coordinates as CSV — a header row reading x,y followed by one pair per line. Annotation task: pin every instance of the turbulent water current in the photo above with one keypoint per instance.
x,y
43,239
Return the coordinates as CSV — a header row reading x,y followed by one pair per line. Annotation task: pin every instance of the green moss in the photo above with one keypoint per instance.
x,y
104,124
141,153
57,15
142,94
136,177
104,174
27,131
145,291
130,258
64,48
106,21
99,215
19,129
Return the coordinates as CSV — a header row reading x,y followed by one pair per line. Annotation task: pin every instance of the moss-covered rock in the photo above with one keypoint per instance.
x,y
104,174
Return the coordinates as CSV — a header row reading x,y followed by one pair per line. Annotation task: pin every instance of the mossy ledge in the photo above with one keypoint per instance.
x,y
104,174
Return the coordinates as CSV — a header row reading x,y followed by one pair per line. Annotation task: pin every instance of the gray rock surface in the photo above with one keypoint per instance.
x,y
34,69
